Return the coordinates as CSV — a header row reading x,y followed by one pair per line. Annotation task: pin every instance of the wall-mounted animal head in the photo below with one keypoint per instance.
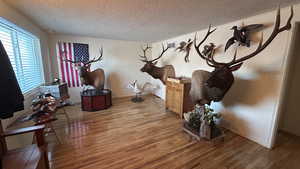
x,y
215,84
161,73
94,78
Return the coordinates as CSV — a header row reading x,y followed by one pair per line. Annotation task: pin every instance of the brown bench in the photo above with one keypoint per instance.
x,y
30,157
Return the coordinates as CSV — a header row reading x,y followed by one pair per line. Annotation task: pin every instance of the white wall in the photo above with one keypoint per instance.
x,y
290,119
250,107
120,63
17,18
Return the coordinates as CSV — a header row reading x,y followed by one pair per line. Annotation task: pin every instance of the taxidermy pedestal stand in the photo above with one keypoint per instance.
x,y
137,90
94,100
137,98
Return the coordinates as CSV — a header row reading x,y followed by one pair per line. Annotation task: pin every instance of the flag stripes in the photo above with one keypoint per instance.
x,y
68,73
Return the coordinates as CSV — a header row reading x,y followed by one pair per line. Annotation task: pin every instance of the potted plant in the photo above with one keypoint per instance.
x,y
193,118
208,128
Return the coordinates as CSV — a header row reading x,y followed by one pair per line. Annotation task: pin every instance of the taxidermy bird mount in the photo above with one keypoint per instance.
x,y
242,35
209,50
185,47
140,89
212,86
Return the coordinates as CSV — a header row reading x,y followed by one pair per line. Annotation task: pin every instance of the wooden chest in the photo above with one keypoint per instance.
x,y
177,96
94,100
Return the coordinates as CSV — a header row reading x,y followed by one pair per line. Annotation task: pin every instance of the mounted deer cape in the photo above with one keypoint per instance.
x,y
212,86
161,73
94,78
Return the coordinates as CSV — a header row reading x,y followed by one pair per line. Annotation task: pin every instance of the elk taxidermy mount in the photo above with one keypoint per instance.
x,y
95,78
161,73
185,47
241,35
212,86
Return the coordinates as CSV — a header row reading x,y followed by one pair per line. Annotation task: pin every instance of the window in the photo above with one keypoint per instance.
x,y
24,53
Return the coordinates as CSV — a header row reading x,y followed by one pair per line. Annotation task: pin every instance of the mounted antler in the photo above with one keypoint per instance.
x,y
162,53
209,61
144,57
276,30
71,61
261,46
95,59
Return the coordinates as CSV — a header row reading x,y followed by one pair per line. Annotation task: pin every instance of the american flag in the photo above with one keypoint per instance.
x,y
74,52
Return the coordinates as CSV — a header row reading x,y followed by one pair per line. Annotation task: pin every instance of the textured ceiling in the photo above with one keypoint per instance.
x,y
137,20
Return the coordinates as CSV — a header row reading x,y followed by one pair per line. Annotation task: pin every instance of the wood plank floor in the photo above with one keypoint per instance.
x,y
144,135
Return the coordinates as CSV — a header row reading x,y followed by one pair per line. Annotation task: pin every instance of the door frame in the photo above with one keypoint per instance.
x,y
287,61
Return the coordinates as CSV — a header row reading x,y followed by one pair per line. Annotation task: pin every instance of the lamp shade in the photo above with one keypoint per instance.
x,y
11,97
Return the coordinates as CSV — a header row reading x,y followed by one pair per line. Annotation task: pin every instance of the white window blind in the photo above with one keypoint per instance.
x,y
24,53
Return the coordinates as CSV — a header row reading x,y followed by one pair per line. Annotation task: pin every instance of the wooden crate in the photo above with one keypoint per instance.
x,y
177,96
195,134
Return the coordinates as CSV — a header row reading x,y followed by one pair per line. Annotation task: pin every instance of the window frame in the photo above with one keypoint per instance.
x,y
36,48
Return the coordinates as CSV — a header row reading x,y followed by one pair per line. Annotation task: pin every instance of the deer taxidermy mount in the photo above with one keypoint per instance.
x,y
212,86
95,78
241,35
161,73
185,47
